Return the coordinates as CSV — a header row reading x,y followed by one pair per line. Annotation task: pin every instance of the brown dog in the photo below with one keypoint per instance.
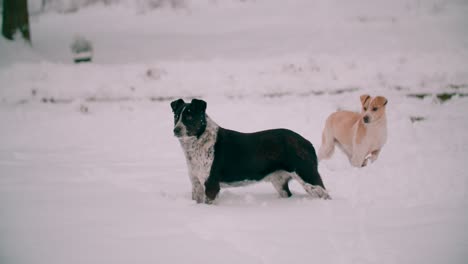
x,y
361,136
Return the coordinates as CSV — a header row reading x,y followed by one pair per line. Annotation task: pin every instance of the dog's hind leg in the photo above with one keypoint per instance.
x,y
328,144
280,181
311,181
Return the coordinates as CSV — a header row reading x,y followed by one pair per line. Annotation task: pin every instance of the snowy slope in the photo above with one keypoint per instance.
x,y
111,186
242,48
90,171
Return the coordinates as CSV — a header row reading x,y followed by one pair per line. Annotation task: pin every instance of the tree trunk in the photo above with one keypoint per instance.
x,y
15,18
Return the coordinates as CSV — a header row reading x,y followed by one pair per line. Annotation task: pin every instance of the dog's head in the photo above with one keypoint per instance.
x,y
189,118
373,108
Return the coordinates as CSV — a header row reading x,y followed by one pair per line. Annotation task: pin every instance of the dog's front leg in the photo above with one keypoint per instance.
x,y
358,160
211,191
374,155
197,190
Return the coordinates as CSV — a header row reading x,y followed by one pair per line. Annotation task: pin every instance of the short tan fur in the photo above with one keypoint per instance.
x,y
361,136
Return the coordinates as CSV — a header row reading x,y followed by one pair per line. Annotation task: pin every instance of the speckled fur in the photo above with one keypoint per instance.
x,y
276,155
199,154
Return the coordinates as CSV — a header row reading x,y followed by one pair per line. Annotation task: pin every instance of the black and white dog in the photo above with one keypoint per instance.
x,y
218,157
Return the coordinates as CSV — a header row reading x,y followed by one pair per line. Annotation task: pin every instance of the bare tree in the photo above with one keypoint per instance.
x,y
15,18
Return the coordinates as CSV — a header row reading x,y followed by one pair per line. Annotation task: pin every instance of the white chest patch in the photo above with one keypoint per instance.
x,y
199,152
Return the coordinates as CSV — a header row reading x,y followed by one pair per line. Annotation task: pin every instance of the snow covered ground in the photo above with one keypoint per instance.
x,y
90,171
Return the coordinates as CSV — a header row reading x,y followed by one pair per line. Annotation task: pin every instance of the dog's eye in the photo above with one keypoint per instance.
x,y
375,109
365,108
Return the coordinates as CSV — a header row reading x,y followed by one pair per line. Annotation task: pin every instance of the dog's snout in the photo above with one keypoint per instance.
x,y
366,119
177,131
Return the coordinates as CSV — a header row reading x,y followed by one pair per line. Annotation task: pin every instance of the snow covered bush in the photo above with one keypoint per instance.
x,y
67,6
82,49
153,4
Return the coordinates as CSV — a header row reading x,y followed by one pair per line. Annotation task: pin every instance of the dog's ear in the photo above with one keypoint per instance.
x,y
176,104
198,105
381,101
364,98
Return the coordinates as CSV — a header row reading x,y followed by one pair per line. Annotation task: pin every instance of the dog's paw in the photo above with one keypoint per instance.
x,y
317,192
364,163
284,194
208,201
322,193
199,197
358,162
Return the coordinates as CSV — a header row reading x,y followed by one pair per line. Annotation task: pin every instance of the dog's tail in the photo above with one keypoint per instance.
x,y
328,143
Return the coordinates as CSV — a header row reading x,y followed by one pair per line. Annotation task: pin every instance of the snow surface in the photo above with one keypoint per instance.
x,y
91,173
